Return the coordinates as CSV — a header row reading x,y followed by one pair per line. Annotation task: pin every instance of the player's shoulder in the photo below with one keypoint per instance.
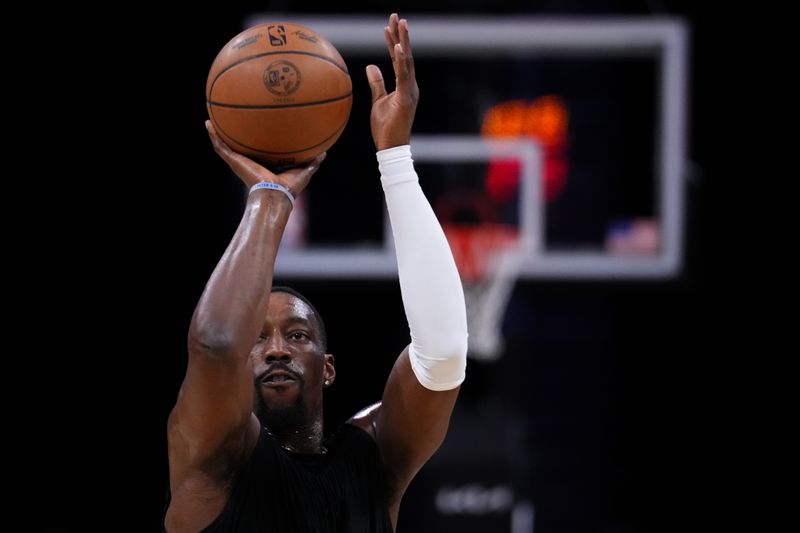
x,y
365,418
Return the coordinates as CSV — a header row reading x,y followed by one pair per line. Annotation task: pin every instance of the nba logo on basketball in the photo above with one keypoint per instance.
x,y
282,78
277,35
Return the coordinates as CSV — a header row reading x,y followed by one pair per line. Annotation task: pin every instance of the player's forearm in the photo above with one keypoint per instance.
x,y
231,310
431,287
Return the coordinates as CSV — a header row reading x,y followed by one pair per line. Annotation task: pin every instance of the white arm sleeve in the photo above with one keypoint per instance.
x,y
433,297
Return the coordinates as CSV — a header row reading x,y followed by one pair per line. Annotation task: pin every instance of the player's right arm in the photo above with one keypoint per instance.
x,y
412,420
211,428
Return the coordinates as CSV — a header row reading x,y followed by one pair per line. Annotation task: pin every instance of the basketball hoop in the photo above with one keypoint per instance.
x,y
489,258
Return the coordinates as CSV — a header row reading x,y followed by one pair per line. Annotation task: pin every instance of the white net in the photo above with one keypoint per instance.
x,y
489,259
487,300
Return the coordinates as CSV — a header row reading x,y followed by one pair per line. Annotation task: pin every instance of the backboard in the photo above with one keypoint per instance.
x,y
617,211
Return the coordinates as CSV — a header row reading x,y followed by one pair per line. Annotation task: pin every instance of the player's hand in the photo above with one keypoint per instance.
x,y
393,114
250,172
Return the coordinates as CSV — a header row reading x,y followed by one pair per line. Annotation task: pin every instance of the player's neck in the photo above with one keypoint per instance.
x,y
300,439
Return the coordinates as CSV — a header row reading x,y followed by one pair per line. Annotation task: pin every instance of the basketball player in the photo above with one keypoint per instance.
x,y
246,446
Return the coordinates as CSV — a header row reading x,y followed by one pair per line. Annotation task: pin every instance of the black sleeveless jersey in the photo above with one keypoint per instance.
x,y
341,491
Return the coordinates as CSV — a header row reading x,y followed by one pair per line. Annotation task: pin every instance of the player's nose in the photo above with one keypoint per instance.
x,y
277,349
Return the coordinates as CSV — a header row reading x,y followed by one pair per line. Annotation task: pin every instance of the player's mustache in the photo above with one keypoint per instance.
x,y
278,366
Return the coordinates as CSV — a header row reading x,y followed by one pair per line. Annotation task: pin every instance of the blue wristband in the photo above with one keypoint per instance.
x,y
274,187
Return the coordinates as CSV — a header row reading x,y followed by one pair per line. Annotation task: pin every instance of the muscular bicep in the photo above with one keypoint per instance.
x,y
213,412
411,423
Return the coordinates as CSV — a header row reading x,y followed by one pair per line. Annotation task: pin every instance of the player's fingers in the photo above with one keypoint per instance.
x,y
401,67
405,41
376,85
239,163
387,34
312,167
393,28
219,145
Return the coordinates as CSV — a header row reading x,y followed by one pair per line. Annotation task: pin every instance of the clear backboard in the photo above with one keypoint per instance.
x,y
593,189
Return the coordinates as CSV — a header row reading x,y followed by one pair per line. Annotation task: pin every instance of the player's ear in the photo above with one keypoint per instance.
x,y
330,370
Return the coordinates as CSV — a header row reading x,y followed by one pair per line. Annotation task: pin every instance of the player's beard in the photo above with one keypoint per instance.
x,y
283,417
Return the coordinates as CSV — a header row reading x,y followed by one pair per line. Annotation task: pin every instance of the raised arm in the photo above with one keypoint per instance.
x,y
421,391
210,428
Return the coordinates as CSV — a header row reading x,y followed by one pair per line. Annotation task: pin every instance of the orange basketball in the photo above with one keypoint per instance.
x,y
279,93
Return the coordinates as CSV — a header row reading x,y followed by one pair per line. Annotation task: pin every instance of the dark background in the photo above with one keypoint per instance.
x,y
635,402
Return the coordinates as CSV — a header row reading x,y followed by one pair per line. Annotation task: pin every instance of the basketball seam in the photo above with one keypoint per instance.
x,y
244,60
326,139
280,106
